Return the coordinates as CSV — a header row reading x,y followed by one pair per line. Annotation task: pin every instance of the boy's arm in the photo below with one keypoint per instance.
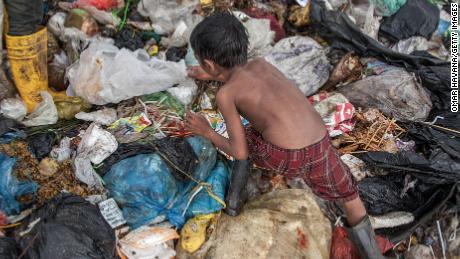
x,y
236,144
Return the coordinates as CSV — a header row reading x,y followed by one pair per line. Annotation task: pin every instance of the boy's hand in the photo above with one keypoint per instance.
x,y
197,124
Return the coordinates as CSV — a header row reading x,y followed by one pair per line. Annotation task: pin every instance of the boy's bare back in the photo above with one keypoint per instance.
x,y
273,105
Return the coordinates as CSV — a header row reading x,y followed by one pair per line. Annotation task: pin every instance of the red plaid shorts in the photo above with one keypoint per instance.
x,y
319,165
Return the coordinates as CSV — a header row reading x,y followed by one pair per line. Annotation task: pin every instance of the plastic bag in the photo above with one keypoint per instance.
x,y
63,152
149,242
165,15
104,116
260,37
299,56
416,18
184,92
56,71
337,112
11,188
130,183
101,75
66,227
44,114
13,108
396,93
95,146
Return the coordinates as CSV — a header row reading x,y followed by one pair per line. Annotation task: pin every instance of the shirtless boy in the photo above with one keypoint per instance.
x,y
285,135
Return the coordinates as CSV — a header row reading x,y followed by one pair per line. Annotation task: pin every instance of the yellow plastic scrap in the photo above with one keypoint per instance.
x,y
300,16
193,234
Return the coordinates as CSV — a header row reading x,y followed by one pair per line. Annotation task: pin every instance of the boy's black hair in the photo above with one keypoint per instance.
x,y
221,38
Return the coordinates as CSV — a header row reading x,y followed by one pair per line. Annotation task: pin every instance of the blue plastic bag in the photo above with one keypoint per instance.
x,y
11,188
145,189
198,201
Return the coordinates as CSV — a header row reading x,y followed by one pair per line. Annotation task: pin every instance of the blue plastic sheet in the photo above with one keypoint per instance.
x,y
11,188
145,189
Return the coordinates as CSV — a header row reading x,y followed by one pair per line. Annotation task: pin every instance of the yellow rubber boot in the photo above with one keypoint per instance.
x,y
28,61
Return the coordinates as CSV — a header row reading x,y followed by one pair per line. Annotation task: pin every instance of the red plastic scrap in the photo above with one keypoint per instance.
x,y
343,248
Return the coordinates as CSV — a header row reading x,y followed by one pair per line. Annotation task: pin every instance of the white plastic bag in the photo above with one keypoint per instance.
x,y
63,152
104,116
165,15
44,114
303,61
260,37
13,108
95,146
184,91
105,74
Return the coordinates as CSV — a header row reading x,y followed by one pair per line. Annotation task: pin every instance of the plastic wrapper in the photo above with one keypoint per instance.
x,y
396,93
142,204
44,114
105,116
101,75
335,110
66,227
11,188
13,108
217,122
95,146
299,56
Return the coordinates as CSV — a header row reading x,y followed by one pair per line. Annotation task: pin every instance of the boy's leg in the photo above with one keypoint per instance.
x,y
355,211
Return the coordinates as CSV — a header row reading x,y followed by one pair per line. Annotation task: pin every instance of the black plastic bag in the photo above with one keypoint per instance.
x,y
438,169
415,18
176,150
41,144
176,54
8,248
66,227
342,34
7,125
129,38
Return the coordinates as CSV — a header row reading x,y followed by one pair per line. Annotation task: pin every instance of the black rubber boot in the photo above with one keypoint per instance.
x,y
363,237
237,195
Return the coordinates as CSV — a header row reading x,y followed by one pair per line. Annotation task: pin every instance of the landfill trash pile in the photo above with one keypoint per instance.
x,y
95,158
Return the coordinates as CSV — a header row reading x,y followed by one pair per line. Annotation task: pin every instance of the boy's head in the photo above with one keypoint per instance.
x,y
222,40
